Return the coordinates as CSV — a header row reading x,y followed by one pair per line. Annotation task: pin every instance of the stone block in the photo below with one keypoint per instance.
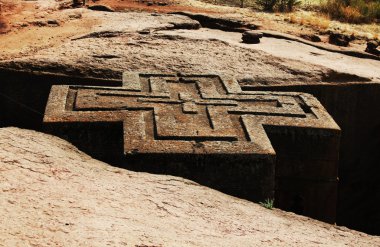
x,y
202,127
252,37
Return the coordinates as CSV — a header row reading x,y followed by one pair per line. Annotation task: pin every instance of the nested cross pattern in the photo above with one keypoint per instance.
x,y
187,113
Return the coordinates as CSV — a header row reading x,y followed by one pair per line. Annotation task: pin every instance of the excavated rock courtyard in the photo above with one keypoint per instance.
x,y
59,195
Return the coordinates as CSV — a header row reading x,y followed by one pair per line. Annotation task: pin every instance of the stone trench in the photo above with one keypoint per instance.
x,y
353,104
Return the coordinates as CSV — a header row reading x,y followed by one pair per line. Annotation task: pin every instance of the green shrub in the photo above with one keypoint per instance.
x,y
268,203
279,5
374,9
266,5
234,3
291,4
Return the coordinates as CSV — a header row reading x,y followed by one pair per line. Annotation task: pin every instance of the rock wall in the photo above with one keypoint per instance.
x,y
355,107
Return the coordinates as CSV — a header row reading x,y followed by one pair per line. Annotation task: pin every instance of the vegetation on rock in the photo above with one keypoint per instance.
x,y
278,5
353,11
268,203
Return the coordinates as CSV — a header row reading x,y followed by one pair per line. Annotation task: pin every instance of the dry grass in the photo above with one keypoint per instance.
x,y
351,14
352,11
321,22
300,21
315,22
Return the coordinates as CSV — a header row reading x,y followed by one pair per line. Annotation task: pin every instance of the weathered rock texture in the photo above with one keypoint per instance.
x,y
109,56
339,39
351,106
115,46
106,44
222,23
372,48
204,127
53,194
251,37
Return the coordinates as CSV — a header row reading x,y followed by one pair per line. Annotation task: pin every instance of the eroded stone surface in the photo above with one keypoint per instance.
x,y
206,128
51,193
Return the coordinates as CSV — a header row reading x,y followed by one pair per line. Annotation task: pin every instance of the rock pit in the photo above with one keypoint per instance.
x,y
100,54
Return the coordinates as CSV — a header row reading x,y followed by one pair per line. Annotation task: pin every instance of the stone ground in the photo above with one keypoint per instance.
x,y
53,194
287,49
92,43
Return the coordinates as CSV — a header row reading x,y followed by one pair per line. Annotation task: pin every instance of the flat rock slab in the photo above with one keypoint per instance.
x,y
206,128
